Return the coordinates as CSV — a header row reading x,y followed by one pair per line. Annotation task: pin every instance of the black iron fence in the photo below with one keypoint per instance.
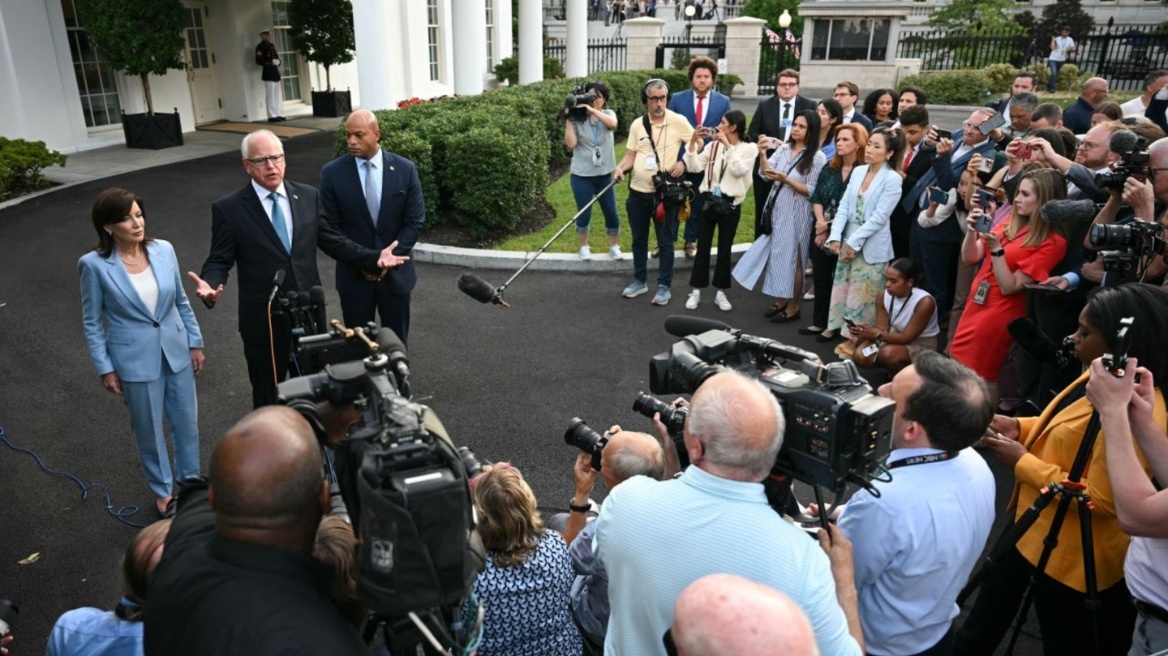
x,y
603,54
776,53
683,48
1121,53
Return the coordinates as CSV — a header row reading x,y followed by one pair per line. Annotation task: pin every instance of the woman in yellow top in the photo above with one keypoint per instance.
x,y
1041,450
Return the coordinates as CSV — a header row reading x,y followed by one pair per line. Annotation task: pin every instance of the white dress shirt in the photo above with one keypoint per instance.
x,y
284,205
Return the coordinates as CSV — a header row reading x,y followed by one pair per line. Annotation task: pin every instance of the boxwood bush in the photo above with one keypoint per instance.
x,y
951,87
484,159
21,163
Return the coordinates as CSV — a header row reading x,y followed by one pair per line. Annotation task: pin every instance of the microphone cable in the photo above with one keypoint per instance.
x,y
119,514
272,347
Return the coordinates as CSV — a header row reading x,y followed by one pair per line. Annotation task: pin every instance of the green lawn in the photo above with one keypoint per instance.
x,y
559,195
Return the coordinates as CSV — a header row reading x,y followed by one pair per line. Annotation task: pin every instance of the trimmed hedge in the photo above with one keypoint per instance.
x,y
951,87
21,163
484,159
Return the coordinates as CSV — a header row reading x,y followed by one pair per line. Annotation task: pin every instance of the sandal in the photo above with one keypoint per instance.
x,y
774,310
846,350
784,317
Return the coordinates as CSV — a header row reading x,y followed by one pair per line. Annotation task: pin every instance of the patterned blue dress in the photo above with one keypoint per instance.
x,y
526,606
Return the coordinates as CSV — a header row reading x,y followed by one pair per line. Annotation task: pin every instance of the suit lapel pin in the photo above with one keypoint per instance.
x,y
392,169
295,198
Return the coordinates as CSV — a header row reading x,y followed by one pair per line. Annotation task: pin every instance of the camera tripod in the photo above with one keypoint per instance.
x,y
1069,489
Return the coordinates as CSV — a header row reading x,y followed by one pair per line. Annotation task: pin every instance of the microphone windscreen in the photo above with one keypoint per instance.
x,y
1068,212
303,299
316,295
476,288
391,344
292,296
1123,141
683,326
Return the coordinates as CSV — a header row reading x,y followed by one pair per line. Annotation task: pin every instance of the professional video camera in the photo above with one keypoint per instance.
x,y
576,101
1133,160
837,430
1126,248
404,483
674,192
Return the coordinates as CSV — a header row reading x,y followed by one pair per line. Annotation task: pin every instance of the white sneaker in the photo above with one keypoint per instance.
x,y
695,297
585,252
809,296
615,252
722,302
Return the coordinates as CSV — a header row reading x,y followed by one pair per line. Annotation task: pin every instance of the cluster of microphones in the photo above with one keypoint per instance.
x,y
305,311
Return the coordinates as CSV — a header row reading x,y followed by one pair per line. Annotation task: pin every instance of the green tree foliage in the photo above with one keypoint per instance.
x,y
770,10
21,163
508,69
977,17
1064,12
137,37
322,31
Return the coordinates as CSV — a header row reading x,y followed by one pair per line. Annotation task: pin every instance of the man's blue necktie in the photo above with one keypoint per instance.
x,y
278,222
371,198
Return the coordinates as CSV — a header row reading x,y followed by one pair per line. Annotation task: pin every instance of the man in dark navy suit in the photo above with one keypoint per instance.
x,y
847,94
703,107
374,198
271,225
773,118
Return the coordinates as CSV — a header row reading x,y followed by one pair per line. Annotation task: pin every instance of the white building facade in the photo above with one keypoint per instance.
x,y
1122,11
54,87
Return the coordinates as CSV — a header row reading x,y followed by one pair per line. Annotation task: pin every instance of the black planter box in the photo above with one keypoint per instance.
x,y
331,103
152,131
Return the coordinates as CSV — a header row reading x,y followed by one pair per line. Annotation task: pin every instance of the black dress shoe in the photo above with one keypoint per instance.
x,y
274,119
810,331
783,317
825,337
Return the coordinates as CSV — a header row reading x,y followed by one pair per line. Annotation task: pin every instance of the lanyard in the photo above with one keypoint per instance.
x,y
923,460
593,123
710,166
892,306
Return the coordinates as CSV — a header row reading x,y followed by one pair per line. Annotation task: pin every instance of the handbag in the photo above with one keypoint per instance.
x,y
765,225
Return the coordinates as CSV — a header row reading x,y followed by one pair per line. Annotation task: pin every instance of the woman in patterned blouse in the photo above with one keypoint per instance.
x,y
526,583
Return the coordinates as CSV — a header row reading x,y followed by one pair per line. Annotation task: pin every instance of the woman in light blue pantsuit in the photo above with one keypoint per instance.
x,y
150,349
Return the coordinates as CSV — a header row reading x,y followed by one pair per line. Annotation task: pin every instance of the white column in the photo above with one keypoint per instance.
x,y
742,52
376,55
470,41
577,44
530,41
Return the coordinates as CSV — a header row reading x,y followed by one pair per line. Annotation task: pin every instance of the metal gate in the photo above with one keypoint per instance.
x,y
776,53
713,48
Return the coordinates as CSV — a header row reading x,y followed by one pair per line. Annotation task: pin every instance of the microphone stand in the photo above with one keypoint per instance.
x,y
501,288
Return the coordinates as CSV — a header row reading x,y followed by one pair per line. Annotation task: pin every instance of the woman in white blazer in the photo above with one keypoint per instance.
x,y
150,348
861,237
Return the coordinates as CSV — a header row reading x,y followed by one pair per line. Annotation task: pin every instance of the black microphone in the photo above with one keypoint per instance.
x,y
395,350
316,296
276,282
303,308
479,289
1041,347
680,325
1067,214
1123,141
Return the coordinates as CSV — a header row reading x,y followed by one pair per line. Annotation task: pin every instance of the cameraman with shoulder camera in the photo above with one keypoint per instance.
x,y
917,541
656,191
237,575
655,538
588,132
625,455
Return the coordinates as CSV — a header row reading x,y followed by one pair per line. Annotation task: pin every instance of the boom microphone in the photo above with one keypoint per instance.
x,y
479,289
276,282
1066,214
1041,347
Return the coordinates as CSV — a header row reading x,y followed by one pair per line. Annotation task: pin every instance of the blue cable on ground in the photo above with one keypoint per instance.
x,y
120,514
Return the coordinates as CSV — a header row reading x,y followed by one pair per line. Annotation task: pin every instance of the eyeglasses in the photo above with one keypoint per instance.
x,y
1086,145
787,85
657,98
263,161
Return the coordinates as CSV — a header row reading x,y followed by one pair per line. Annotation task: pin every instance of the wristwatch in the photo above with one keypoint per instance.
x,y
580,509
998,253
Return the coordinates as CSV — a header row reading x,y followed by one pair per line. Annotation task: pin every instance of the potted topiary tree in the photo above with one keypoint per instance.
x,y
322,31
142,38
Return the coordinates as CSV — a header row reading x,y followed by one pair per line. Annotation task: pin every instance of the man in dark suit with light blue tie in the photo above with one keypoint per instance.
x,y
271,225
374,198
703,107
938,248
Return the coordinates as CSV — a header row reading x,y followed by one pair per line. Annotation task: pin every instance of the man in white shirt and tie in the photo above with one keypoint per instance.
x,y
774,117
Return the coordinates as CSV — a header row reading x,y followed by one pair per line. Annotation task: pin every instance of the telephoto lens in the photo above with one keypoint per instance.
x,y
581,436
673,418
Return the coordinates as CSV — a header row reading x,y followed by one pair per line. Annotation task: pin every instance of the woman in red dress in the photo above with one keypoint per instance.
x,y
1015,253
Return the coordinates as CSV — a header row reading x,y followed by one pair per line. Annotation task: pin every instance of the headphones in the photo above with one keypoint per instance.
x,y
645,89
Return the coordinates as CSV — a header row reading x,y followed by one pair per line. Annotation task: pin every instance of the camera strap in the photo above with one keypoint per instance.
x,y
923,460
710,167
652,144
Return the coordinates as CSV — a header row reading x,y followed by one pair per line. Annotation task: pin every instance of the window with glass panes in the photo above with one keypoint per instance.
x,y
490,34
433,44
95,81
289,58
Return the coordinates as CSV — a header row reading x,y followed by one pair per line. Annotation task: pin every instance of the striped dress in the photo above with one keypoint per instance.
x,y
785,249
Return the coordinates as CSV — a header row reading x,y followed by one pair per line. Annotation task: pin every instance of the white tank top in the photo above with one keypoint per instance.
x,y
900,312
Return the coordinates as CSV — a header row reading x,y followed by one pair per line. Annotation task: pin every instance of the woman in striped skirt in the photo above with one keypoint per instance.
x,y
782,254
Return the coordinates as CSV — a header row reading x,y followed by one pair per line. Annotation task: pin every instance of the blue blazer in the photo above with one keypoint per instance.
x,y
717,105
401,217
945,173
873,239
135,341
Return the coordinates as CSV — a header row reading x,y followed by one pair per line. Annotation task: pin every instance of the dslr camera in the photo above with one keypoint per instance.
x,y
837,430
1123,247
583,437
576,101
